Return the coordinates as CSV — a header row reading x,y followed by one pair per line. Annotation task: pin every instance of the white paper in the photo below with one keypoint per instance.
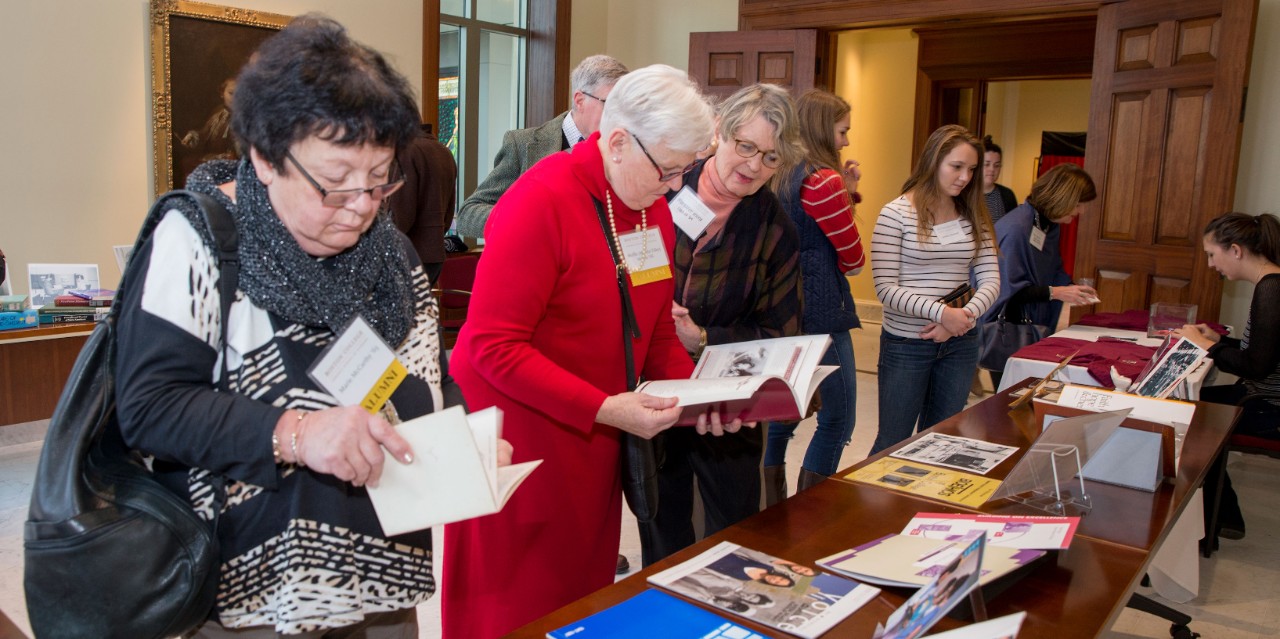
x,y
450,479
689,213
1016,531
1005,627
960,453
353,363
1161,411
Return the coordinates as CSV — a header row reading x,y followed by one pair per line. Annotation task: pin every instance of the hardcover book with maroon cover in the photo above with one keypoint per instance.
x,y
761,380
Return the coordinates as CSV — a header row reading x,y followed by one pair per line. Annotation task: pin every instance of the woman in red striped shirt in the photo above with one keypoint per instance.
x,y
819,196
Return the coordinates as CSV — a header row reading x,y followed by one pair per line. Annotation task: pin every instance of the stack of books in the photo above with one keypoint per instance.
x,y
16,312
77,307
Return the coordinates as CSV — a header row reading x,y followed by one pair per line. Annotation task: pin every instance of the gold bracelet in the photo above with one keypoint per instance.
x,y
702,342
275,447
295,437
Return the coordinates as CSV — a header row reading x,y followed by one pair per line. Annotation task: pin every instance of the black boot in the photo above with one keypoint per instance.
x,y
808,478
775,484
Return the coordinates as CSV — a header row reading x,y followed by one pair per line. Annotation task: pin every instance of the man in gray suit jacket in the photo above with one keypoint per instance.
x,y
592,81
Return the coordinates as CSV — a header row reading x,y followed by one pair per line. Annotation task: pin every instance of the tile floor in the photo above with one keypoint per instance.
x,y
1239,590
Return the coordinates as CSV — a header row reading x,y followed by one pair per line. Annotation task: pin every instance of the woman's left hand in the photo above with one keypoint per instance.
x,y
1195,333
709,422
957,321
690,334
505,450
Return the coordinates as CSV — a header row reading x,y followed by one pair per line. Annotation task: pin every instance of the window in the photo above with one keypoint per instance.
x,y
482,80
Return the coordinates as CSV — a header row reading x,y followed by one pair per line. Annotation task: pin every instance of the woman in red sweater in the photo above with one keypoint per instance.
x,y
544,342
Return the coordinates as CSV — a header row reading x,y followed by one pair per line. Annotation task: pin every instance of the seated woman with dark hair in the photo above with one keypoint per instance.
x,y
319,118
1243,247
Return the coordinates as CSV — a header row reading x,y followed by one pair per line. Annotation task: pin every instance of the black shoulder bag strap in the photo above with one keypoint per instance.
x,y
640,461
630,327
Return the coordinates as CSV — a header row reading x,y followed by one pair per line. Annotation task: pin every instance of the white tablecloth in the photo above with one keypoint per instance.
x,y
1175,567
1017,368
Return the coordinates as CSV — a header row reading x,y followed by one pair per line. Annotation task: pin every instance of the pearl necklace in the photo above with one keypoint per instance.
x,y
644,227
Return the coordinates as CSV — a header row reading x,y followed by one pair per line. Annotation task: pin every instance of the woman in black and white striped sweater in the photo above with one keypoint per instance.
x,y
926,244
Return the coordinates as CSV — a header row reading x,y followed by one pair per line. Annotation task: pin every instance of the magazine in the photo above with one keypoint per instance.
x,y
791,597
907,561
960,453
1014,531
951,585
761,380
653,613
927,481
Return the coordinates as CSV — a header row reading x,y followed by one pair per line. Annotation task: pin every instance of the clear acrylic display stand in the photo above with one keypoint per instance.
x,y
1048,477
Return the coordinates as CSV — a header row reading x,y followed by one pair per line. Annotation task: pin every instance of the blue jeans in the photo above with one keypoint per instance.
x,y
922,381
835,419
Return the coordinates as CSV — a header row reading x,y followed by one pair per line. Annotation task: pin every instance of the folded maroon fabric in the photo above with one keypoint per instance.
x,y
1132,320
1097,357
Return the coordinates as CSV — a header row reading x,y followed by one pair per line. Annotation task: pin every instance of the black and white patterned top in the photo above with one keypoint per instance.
x,y
300,550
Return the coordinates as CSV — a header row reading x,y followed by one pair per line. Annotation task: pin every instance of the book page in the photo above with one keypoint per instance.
x,y
693,392
1161,411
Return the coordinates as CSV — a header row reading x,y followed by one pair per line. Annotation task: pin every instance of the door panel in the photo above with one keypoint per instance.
x,y
723,62
1168,85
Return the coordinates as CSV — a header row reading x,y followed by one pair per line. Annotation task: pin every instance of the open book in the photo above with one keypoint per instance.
x,y
765,379
454,474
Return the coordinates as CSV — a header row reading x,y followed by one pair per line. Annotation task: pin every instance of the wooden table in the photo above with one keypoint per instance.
x,y
1077,592
34,366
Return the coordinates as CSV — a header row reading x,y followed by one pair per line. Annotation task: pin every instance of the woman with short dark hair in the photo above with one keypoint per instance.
x,y
999,198
319,118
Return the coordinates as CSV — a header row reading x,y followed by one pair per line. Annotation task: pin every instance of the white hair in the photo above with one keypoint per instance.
x,y
660,103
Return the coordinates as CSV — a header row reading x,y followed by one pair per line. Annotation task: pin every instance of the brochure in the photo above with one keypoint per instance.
x,y
454,474
1012,531
960,453
948,587
781,594
1005,627
1172,364
911,561
654,613
927,481
761,380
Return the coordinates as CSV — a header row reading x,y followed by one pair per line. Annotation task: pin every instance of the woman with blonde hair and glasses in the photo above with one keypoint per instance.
x,y
819,195
1033,283
925,244
736,280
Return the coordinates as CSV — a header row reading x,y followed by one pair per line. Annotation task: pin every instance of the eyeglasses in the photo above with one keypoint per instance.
x,y
602,100
770,159
669,175
344,197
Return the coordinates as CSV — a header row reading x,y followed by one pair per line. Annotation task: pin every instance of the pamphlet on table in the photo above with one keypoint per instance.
x,y
911,477
761,380
653,613
454,474
1005,627
948,587
781,594
1011,531
960,453
1173,362
1098,400
907,561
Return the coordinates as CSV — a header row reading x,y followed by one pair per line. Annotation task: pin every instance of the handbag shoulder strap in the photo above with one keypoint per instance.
x,y
630,327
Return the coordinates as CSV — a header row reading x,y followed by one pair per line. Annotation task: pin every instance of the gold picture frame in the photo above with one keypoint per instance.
x,y
196,51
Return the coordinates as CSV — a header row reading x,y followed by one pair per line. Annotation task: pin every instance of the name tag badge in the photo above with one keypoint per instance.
x,y
359,368
689,213
646,256
1037,238
949,232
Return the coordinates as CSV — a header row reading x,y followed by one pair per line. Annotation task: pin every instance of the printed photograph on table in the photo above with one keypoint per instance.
x,y
952,584
960,453
1171,367
48,281
791,597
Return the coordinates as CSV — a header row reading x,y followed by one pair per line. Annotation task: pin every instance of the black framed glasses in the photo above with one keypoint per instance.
x,y
602,100
662,177
343,197
748,150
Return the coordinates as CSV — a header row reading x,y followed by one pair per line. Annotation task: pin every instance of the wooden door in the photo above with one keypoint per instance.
x,y
725,61
1168,89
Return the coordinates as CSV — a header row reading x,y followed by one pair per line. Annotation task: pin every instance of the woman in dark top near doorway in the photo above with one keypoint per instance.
x,y
1000,199
1244,247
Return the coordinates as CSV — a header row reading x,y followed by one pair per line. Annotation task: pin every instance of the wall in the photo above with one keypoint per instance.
x,y
875,73
76,172
644,33
1031,107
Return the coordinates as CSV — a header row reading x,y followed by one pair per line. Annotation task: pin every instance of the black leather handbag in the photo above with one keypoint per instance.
x,y
1002,338
109,551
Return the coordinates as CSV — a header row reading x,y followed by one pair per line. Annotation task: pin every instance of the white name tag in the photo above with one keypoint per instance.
x,y
358,368
1037,238
646,256
689,213
949,232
